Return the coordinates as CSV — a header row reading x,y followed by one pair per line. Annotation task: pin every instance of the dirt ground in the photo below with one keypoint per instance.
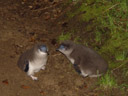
x,y
23,24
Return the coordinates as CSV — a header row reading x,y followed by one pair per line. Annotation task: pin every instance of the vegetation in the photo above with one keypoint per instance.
x,y
120,56
109,18
63,37
107,81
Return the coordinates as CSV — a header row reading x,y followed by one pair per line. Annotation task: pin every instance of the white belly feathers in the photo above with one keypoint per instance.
x,y
71,60
39,62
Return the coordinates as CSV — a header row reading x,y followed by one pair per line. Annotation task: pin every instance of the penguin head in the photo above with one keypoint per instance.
x,y
62,47
66,47
43,48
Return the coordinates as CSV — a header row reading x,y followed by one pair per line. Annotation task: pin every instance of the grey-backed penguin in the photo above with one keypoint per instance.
x,y
33,60
86,61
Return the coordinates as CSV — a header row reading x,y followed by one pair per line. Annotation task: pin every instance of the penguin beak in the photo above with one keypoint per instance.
x,y
47,52
61,47
57,49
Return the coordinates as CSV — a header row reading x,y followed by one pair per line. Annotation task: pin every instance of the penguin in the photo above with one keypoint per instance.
x,y
33,60
86,61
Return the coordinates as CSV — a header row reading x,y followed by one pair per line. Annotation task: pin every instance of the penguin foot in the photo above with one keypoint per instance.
x,y
84,74
98,75
43,68
33,77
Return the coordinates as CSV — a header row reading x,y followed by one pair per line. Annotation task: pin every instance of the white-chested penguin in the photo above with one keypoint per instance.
x,y
33,60
86,61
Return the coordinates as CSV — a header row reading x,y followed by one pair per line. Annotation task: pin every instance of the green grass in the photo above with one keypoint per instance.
x,y
120,56
77,39
116,36
107,81
89,9
109,21
124,86
65,36
125,71
111,25
98,36
113,64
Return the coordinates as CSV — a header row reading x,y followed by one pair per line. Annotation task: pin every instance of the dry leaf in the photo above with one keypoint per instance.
x,y
5,82
42,93
85,86
24,87
47,17
32,39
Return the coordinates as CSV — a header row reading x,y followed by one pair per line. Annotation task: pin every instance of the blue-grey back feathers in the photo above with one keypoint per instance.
x,y
85,60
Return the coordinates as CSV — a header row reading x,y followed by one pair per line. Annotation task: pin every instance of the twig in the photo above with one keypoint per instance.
x,y
120,65
111,7
42,9
56,55
117,67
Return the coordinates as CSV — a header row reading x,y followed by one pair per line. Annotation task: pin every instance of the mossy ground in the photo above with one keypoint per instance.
x,y
104,28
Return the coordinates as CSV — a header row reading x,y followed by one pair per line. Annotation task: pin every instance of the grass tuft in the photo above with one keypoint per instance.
x,y
107,81
120,56
63,37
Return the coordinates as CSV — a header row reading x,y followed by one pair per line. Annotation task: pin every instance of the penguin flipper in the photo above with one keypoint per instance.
x,y
76,67
26,68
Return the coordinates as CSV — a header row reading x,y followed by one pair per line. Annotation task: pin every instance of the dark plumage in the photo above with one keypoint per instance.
x,y
86,61
34,59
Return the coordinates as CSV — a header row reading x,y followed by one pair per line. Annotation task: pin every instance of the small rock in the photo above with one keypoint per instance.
x,y
59,11
22,3
30,7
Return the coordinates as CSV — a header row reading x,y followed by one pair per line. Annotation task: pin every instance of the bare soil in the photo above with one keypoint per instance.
x,y
23,24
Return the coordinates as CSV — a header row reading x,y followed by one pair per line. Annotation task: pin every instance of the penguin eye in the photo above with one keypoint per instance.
x,y
66,47
62,47
43,48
